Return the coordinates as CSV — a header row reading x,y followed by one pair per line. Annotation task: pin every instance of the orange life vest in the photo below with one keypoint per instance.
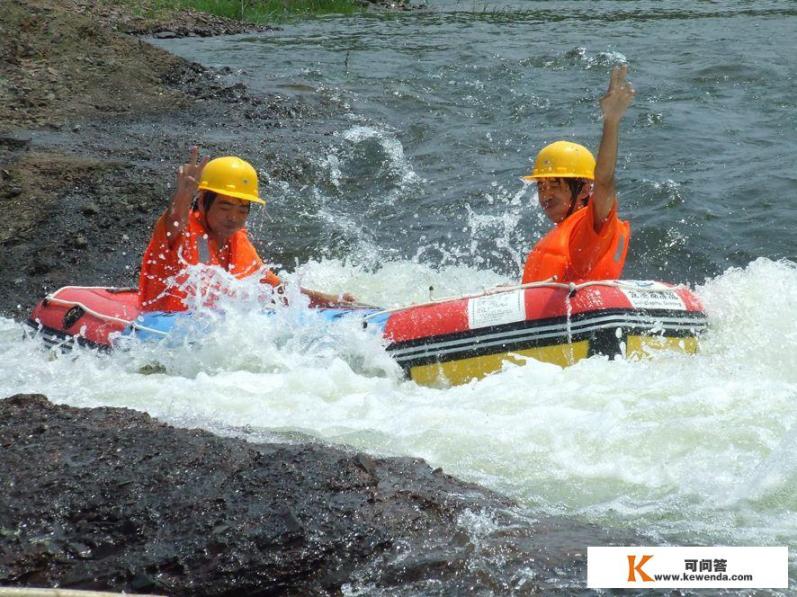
x,y
574,251
161,266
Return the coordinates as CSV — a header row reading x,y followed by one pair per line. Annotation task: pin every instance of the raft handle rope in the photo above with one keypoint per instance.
x,y
53,298
549,283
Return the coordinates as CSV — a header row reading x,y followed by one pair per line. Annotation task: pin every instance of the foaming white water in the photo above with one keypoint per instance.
x,y
698,447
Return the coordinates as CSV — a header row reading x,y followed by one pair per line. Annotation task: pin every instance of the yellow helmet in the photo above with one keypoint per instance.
x,y
230,176
563,159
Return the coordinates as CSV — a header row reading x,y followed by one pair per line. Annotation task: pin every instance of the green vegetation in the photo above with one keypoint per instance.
x,y
252,11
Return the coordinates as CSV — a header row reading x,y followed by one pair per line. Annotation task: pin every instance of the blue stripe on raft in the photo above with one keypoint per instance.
x,y
374,323
378,322
156,325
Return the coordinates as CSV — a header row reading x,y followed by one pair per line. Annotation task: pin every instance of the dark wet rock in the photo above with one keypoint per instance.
x,y
90,209
166,35
41,264
16,142
110,499
187,23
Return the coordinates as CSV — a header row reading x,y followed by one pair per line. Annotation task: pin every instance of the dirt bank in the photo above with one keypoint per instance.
x,y
62,64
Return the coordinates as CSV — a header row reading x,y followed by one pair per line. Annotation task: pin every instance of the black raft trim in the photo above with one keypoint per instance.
x,y
56,338
602,341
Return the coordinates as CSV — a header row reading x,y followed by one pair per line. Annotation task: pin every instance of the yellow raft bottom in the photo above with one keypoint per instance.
x,y
464,370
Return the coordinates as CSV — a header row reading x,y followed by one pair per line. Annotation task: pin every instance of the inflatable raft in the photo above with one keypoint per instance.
x,y
449,340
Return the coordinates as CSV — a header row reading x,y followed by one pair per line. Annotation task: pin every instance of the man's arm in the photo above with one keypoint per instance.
x,y
187,181
613,106
323,299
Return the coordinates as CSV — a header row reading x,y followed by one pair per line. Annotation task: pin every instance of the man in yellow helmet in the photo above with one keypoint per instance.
x,y
212,232
577,193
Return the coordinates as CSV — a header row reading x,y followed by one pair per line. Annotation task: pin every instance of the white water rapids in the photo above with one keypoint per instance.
x,y
697,449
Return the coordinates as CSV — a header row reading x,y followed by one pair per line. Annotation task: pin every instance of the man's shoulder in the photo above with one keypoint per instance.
x,y
242,235
242,245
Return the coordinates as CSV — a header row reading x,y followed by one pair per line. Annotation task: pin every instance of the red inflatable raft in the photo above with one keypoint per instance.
x,y
450,340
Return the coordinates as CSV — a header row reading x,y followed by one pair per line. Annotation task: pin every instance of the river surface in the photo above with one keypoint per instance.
x,y
407,177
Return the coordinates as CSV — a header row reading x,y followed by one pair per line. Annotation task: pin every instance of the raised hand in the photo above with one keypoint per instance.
x,y
619,95
187,182
188,174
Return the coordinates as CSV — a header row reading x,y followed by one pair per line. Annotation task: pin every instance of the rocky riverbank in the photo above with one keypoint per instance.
x,y
110,499
93,122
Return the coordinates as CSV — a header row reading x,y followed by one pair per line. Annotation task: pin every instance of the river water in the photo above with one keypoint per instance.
x,y
406,177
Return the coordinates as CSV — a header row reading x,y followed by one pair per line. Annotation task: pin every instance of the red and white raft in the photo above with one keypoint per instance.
x,y
460,339
449,340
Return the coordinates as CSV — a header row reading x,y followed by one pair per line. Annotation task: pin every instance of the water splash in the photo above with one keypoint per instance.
x,y
680,446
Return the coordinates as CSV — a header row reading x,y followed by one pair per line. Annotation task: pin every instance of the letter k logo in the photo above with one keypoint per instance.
x,y
638,568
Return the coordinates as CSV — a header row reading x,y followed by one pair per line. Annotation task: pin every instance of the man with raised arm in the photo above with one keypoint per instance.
x,y
205,224
588,241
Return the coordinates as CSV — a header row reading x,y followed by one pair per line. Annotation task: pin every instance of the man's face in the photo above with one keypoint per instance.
x,y
555,198
227,216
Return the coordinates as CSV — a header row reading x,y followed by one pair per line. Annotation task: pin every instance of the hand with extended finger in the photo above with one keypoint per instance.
x,y
188,174
619,95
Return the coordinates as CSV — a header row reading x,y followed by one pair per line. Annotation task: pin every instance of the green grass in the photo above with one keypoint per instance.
x,y
251,11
